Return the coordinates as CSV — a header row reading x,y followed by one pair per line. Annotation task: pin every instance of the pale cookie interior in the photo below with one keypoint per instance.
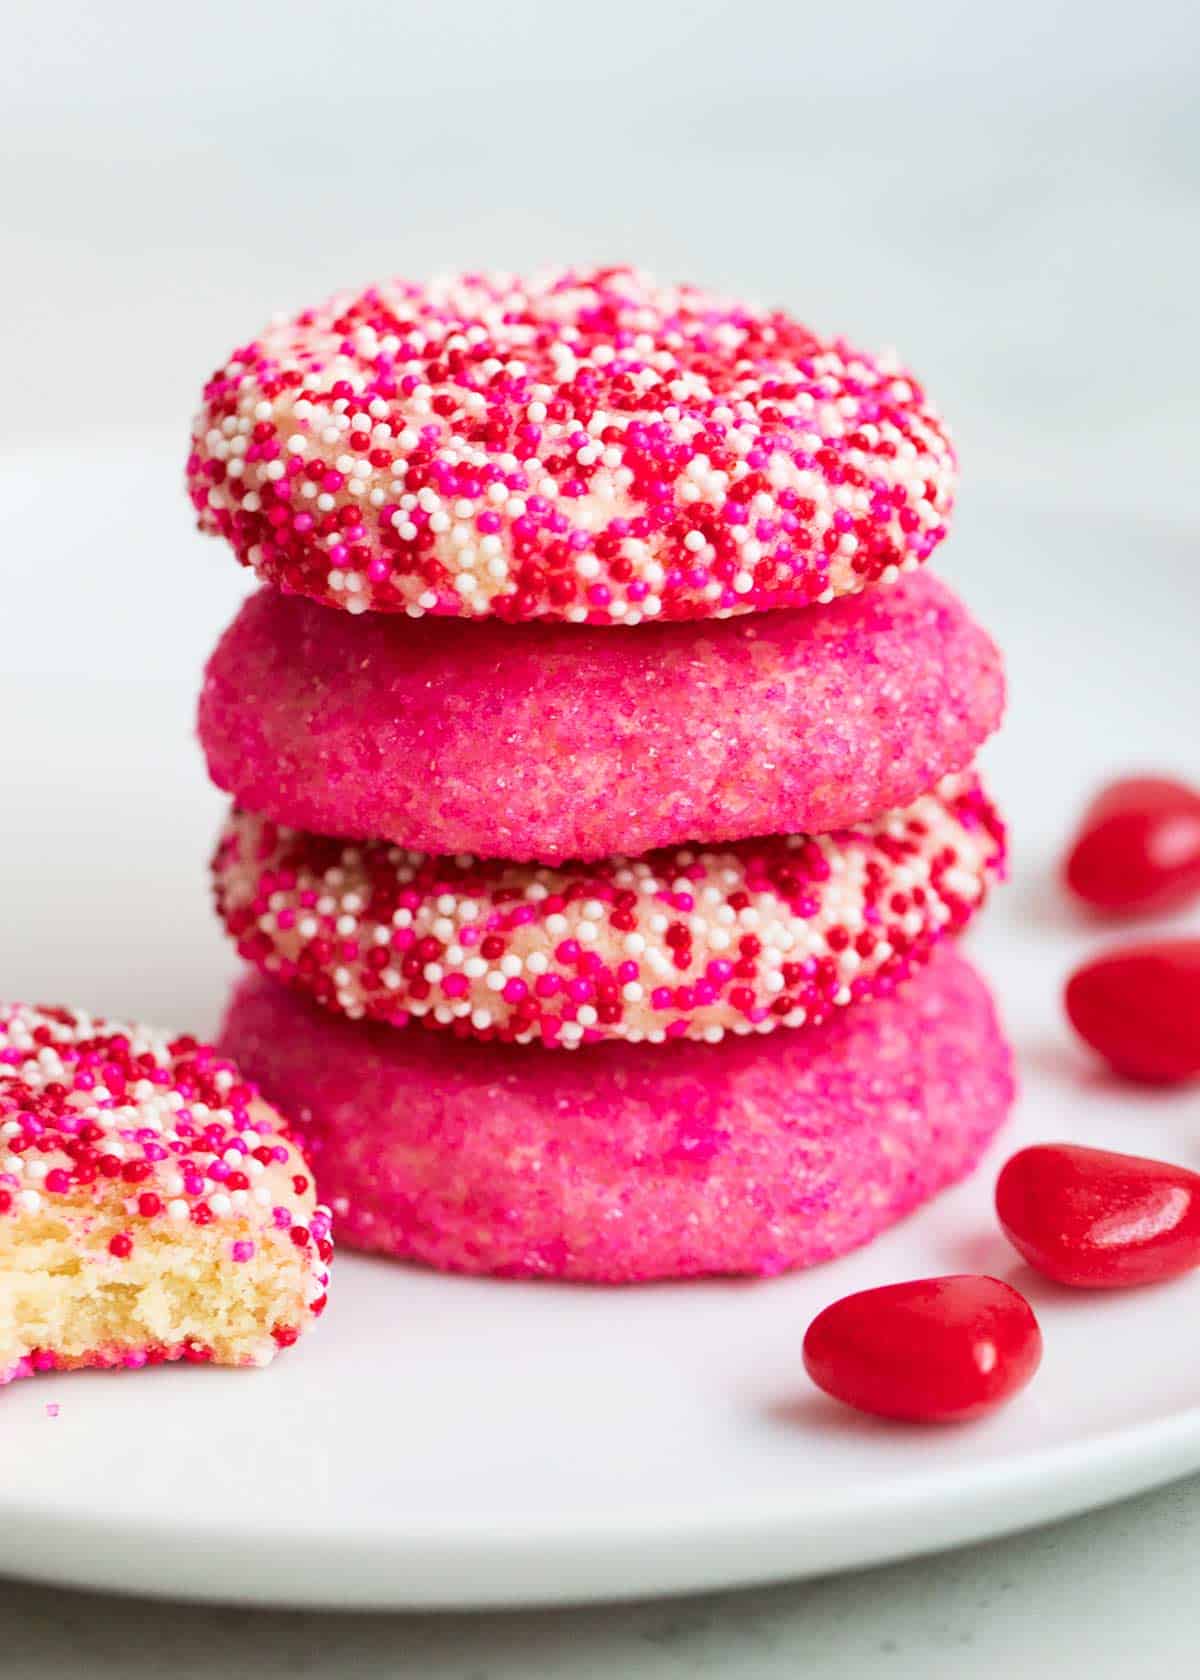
x,y
63,1292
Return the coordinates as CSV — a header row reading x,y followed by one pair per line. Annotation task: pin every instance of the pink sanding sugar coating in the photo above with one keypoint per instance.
x,y
583,445
626,1163
555,742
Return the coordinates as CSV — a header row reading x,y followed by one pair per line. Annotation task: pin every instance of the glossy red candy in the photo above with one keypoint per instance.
x,y
1139,1007
1095,1220
1138,847
938,1350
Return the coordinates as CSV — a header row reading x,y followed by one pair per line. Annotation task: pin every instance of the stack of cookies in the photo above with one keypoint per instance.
x,y
601,765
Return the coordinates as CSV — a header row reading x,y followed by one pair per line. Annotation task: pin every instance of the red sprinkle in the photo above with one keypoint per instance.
x,y
1138,848
121,1245
1139,1008
936,1350
1096,1220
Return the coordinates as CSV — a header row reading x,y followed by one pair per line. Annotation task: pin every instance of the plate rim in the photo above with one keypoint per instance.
x,y
609,1559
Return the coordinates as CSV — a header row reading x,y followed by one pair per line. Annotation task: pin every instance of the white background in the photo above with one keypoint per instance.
x,y
1009,194
1006,193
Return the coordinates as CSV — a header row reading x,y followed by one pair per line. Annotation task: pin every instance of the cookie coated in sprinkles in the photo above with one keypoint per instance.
x,y
583,445
690,942
100,1118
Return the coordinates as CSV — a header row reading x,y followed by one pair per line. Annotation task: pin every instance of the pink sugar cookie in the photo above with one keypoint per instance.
x,y
582,445
692,942
622,1164
556,742
152,1206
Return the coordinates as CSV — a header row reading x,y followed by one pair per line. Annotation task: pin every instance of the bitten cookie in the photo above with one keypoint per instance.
x,y
561,741
627,1163
152,1206
582,445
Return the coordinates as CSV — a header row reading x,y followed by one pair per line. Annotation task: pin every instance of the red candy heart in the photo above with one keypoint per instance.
x,y
1138,848
938,1350
1140,1008
1096,1220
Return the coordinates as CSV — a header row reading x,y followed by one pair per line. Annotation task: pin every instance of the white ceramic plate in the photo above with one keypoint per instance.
x,y
448,1442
